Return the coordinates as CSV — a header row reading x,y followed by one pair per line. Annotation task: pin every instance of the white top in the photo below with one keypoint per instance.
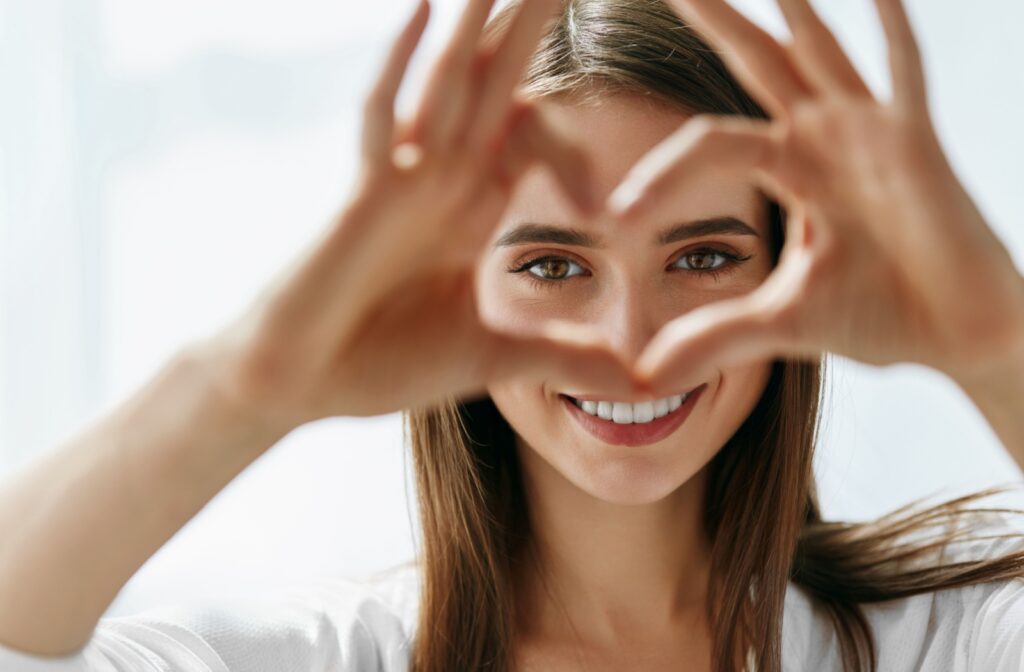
x,y
345,625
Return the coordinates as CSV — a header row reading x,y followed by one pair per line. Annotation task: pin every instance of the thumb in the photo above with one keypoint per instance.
x,y
689,348
566,355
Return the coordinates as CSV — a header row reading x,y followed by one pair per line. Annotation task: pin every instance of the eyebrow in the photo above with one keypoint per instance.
x,y
531,232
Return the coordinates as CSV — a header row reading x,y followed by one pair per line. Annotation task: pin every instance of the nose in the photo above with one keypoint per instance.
x,y
630,321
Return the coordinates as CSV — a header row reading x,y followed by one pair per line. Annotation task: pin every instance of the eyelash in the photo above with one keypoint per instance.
x,y
733,261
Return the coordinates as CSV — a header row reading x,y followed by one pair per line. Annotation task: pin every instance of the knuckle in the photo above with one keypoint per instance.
x,y
828,254
481,63
524,115
790,173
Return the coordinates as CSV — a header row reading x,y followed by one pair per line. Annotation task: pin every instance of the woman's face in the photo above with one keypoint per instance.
x,y
628,283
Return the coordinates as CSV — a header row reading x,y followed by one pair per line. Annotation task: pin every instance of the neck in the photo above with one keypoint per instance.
x,y
609,572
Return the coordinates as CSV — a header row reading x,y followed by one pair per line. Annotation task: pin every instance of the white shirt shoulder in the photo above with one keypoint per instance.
x,y
977,628
329,625
367,624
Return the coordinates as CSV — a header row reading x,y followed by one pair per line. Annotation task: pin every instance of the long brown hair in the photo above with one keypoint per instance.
x,y
761,509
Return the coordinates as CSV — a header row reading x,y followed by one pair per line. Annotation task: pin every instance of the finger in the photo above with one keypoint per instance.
x,y
472,230
534,138
752,54
908,80
379,108
447,93
566,355
505,69
690,348
705,142
818,54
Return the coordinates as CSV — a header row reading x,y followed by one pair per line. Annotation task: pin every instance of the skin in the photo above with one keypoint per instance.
x,y
865,182
618,527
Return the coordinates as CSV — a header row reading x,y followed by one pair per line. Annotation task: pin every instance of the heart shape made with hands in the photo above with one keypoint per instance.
x,y
876,218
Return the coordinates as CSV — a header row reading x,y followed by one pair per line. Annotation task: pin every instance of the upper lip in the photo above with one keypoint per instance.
x,y
591,397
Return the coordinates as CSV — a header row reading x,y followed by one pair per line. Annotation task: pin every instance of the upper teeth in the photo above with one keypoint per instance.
x,y
625,413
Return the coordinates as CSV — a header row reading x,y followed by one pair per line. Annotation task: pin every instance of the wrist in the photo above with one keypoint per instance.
x,y
1002,384
997,388
212,373
997,357
1000,399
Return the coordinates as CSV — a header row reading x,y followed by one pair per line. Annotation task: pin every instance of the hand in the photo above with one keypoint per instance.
x,y
886,258
379,315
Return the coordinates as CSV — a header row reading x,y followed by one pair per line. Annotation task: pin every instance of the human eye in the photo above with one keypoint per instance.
x,y
701,261
548,270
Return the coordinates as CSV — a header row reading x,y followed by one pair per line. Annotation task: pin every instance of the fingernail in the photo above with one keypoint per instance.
x,y
624,201
407,155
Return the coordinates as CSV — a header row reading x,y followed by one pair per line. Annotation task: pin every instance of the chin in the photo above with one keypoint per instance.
x,y
622,474
632,480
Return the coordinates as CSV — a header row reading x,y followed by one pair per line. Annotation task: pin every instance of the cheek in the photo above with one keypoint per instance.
x,y
534,418
524,406
512,303
738,391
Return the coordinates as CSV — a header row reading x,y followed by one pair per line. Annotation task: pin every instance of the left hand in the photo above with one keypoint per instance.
x,y
886,257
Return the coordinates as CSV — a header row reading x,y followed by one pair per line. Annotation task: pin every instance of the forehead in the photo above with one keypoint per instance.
x,y
616,131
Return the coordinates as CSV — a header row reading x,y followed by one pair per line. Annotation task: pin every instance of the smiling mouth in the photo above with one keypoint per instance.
x,y
626,413
632,424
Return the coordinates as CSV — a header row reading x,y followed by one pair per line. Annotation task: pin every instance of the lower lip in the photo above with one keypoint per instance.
x,y
629,434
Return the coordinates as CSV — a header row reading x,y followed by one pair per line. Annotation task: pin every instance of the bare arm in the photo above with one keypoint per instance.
x,y
78,523
1000,398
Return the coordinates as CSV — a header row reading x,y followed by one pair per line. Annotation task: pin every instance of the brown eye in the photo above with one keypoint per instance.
x,y
704,260
701,260
551,268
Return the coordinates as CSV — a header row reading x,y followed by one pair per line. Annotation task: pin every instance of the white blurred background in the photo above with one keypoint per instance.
x,y
160,161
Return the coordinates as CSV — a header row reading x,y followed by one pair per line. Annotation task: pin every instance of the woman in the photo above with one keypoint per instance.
x,y
613,420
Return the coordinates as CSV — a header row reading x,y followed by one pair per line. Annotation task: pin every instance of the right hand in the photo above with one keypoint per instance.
x,y
380,314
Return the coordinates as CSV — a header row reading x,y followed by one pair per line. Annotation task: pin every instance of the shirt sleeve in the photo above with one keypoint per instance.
x,y
343,629
997,628
998,638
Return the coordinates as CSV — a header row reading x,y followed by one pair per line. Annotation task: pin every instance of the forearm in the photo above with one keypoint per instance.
x,y
1002,404
78,523
999,392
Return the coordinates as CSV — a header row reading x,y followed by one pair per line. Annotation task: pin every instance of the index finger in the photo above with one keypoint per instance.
x,y
505,66
756,58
